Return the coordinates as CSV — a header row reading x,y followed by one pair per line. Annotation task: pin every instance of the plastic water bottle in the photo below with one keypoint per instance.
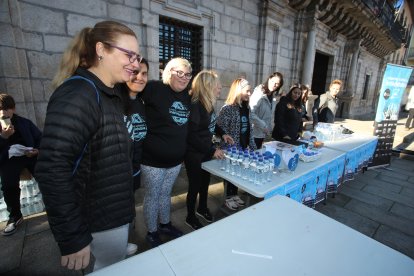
x,y
271,166
233,161
240,157
245,166
252,170
259,173
223,162
265,169
227,157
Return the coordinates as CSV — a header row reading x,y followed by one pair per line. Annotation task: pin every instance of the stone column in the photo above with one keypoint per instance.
x,y
309,59
355,46
346,98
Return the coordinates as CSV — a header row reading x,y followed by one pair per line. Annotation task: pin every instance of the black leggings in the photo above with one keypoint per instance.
x,y
231,189
258,142
10,180
198,182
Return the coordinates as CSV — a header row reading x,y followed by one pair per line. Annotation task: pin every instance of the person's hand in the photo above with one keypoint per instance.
x,y
6,132
266,131
218,154
228,139
32,153
78,260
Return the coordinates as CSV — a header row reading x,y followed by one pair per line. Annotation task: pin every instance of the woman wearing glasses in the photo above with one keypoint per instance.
x,y
167,108
84,166
288,116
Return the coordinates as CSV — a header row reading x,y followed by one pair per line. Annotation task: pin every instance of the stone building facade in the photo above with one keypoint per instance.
x,y
308,41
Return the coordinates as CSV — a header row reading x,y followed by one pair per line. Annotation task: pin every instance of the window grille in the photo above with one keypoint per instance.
x,y
180,39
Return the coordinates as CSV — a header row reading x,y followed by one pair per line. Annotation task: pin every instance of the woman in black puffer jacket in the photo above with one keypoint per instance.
x,y
84,167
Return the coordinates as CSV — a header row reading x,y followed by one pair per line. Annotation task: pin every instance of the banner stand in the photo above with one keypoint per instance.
x,y
393,84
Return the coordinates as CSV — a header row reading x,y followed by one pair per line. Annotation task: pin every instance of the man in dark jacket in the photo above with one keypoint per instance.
x,y
15,130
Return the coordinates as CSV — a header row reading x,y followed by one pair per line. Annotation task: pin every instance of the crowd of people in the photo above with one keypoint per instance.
x,y
109,131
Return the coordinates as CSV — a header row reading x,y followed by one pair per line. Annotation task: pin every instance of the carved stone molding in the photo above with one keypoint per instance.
x,y
354,19
332,35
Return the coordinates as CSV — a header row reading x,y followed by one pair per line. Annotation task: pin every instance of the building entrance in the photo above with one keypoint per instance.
x,y
320,73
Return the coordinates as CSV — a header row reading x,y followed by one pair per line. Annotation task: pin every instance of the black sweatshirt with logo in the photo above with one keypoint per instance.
x,y
167,115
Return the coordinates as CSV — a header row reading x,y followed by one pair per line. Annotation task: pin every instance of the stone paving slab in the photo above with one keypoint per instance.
x,y
408,191
395,175
384,193
377,201
396,239
355,184
403,211
340,200
406,171
408,183
351,219
41,248
402,165
378,184
402,198
381,216
11,250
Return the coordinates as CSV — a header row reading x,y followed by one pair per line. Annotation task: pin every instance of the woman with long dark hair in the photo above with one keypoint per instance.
x,y
288,116
262,104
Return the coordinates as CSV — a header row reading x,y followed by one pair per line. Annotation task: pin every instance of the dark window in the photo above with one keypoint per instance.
x,y
180,39
366,87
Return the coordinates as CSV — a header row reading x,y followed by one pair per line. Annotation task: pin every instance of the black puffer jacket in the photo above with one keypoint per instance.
x,y
98,195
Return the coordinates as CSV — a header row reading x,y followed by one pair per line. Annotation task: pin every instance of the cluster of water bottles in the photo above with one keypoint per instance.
x,y
31,201
249,165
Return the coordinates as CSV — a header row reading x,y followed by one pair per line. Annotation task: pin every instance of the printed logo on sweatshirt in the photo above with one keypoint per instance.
x,y
136,126
244,122
212,125
179,113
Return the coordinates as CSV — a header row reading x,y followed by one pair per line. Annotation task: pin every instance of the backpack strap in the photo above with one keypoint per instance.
x,y
98,99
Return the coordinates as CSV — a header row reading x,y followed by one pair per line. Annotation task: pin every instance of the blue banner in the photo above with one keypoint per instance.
x,y
392,89
393,85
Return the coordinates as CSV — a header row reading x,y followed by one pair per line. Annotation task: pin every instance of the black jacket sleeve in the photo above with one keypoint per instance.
x,y
73,117
280,120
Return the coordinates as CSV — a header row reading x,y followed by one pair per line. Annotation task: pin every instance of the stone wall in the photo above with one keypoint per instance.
x,y
250,38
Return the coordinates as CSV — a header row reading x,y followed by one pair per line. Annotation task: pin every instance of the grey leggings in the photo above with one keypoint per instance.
x,y
157,183
109,246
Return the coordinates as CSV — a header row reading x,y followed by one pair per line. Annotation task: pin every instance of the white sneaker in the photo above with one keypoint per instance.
x,y
11,227
231,204
131,249
238,201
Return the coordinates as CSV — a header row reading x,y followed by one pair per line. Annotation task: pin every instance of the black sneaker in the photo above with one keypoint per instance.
x,y
194,223
11,227
153,238
206,215
170,230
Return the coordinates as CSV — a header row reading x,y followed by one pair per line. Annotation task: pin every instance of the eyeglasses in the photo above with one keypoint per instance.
x,y
131,54
181,74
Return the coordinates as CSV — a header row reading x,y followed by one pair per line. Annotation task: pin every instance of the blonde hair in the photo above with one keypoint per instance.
x,y
234,96
175,62
81,51
202,89
336,82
